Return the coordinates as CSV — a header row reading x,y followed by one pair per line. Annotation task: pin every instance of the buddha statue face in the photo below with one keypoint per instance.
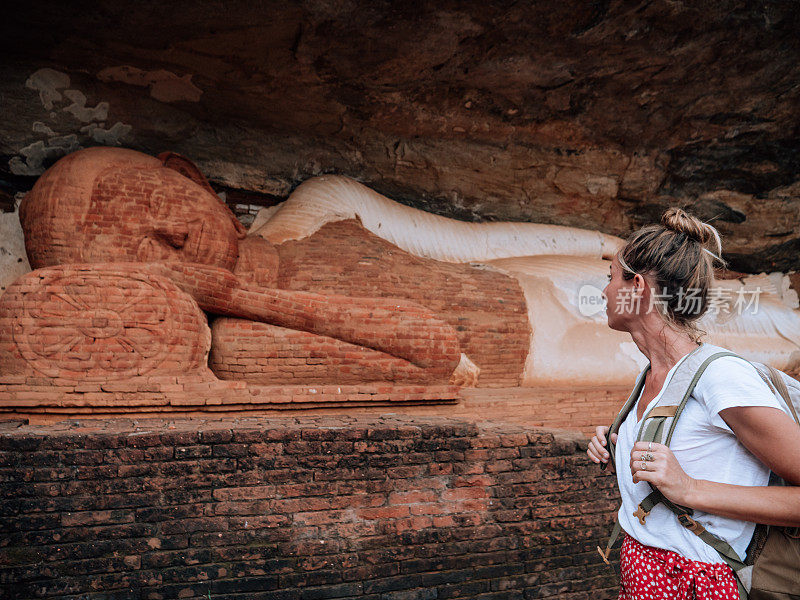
x,y
157,215
113,205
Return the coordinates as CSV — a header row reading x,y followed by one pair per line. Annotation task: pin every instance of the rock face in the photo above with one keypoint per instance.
x,y
597,115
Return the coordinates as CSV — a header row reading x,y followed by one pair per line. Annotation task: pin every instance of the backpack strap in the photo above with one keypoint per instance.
x,y
673,399
775,380
664,416
612,447
622,415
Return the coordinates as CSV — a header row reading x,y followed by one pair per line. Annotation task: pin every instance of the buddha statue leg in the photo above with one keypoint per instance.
x,y
270,355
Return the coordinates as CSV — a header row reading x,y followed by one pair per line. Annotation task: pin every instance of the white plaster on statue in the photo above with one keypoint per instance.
x,y
754,321
13,258
36,153
777,283
80,111
164,85
47,82
39,127
568,347
264,215
788,293
330,198
765,330
107,137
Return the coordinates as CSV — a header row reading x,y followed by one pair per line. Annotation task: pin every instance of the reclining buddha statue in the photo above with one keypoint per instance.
x,y
141,269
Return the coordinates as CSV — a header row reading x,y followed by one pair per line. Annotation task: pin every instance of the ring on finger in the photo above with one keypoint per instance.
x,y
650,446
647,457
644,466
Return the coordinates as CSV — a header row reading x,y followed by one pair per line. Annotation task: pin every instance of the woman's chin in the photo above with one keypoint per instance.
x,y
614,323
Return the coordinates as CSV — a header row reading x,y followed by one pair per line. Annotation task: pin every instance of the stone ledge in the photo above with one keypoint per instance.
x,y
317,427
27,396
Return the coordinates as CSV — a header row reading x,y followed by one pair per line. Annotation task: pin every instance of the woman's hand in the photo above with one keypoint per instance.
x,y
657,465
597,446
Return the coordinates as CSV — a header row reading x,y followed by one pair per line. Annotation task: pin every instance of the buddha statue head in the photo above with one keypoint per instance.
x,y
116,205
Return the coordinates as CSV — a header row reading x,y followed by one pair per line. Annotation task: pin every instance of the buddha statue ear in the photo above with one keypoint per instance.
x,y
188,169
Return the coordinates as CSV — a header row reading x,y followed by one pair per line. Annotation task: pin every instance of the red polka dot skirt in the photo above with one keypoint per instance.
x,y
655,574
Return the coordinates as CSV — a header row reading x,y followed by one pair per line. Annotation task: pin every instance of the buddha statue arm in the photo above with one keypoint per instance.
x,y
396,327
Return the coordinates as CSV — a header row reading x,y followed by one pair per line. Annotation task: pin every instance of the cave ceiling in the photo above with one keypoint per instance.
x,y
593,114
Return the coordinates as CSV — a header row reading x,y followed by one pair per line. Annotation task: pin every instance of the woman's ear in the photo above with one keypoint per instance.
x,y
639,285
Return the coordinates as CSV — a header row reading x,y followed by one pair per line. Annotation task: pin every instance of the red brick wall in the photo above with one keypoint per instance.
x,y
369,508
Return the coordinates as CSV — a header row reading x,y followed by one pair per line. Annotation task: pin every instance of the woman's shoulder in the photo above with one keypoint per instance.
x,y
730,365
732,381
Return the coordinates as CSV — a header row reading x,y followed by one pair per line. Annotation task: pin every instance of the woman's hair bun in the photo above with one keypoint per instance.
x,y
679,221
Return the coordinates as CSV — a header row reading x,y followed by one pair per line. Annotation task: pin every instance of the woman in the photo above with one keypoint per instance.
x,y
729,437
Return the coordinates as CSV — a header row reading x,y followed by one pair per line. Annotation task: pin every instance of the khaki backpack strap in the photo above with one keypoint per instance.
x,y
656,418
670,407
725,551
623,414
646,505
674,395
692,384
663,411
651,500
611,541
652,429
776,379
684,516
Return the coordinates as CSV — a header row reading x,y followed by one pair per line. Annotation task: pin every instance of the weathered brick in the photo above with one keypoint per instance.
x,y
351,511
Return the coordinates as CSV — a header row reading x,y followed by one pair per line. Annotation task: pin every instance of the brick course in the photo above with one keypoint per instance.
x,y
359,507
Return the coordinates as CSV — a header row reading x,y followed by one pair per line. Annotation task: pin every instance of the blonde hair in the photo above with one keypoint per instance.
x,y
679,255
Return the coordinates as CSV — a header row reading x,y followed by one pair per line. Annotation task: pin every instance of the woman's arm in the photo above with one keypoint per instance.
x,y
771,435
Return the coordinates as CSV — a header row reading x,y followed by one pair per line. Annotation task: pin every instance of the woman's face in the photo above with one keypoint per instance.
x,y
623,301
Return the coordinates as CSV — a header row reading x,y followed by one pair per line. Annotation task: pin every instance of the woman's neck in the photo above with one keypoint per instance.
x,y
662,345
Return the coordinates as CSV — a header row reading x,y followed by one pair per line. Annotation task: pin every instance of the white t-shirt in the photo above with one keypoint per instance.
x,y
706,448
